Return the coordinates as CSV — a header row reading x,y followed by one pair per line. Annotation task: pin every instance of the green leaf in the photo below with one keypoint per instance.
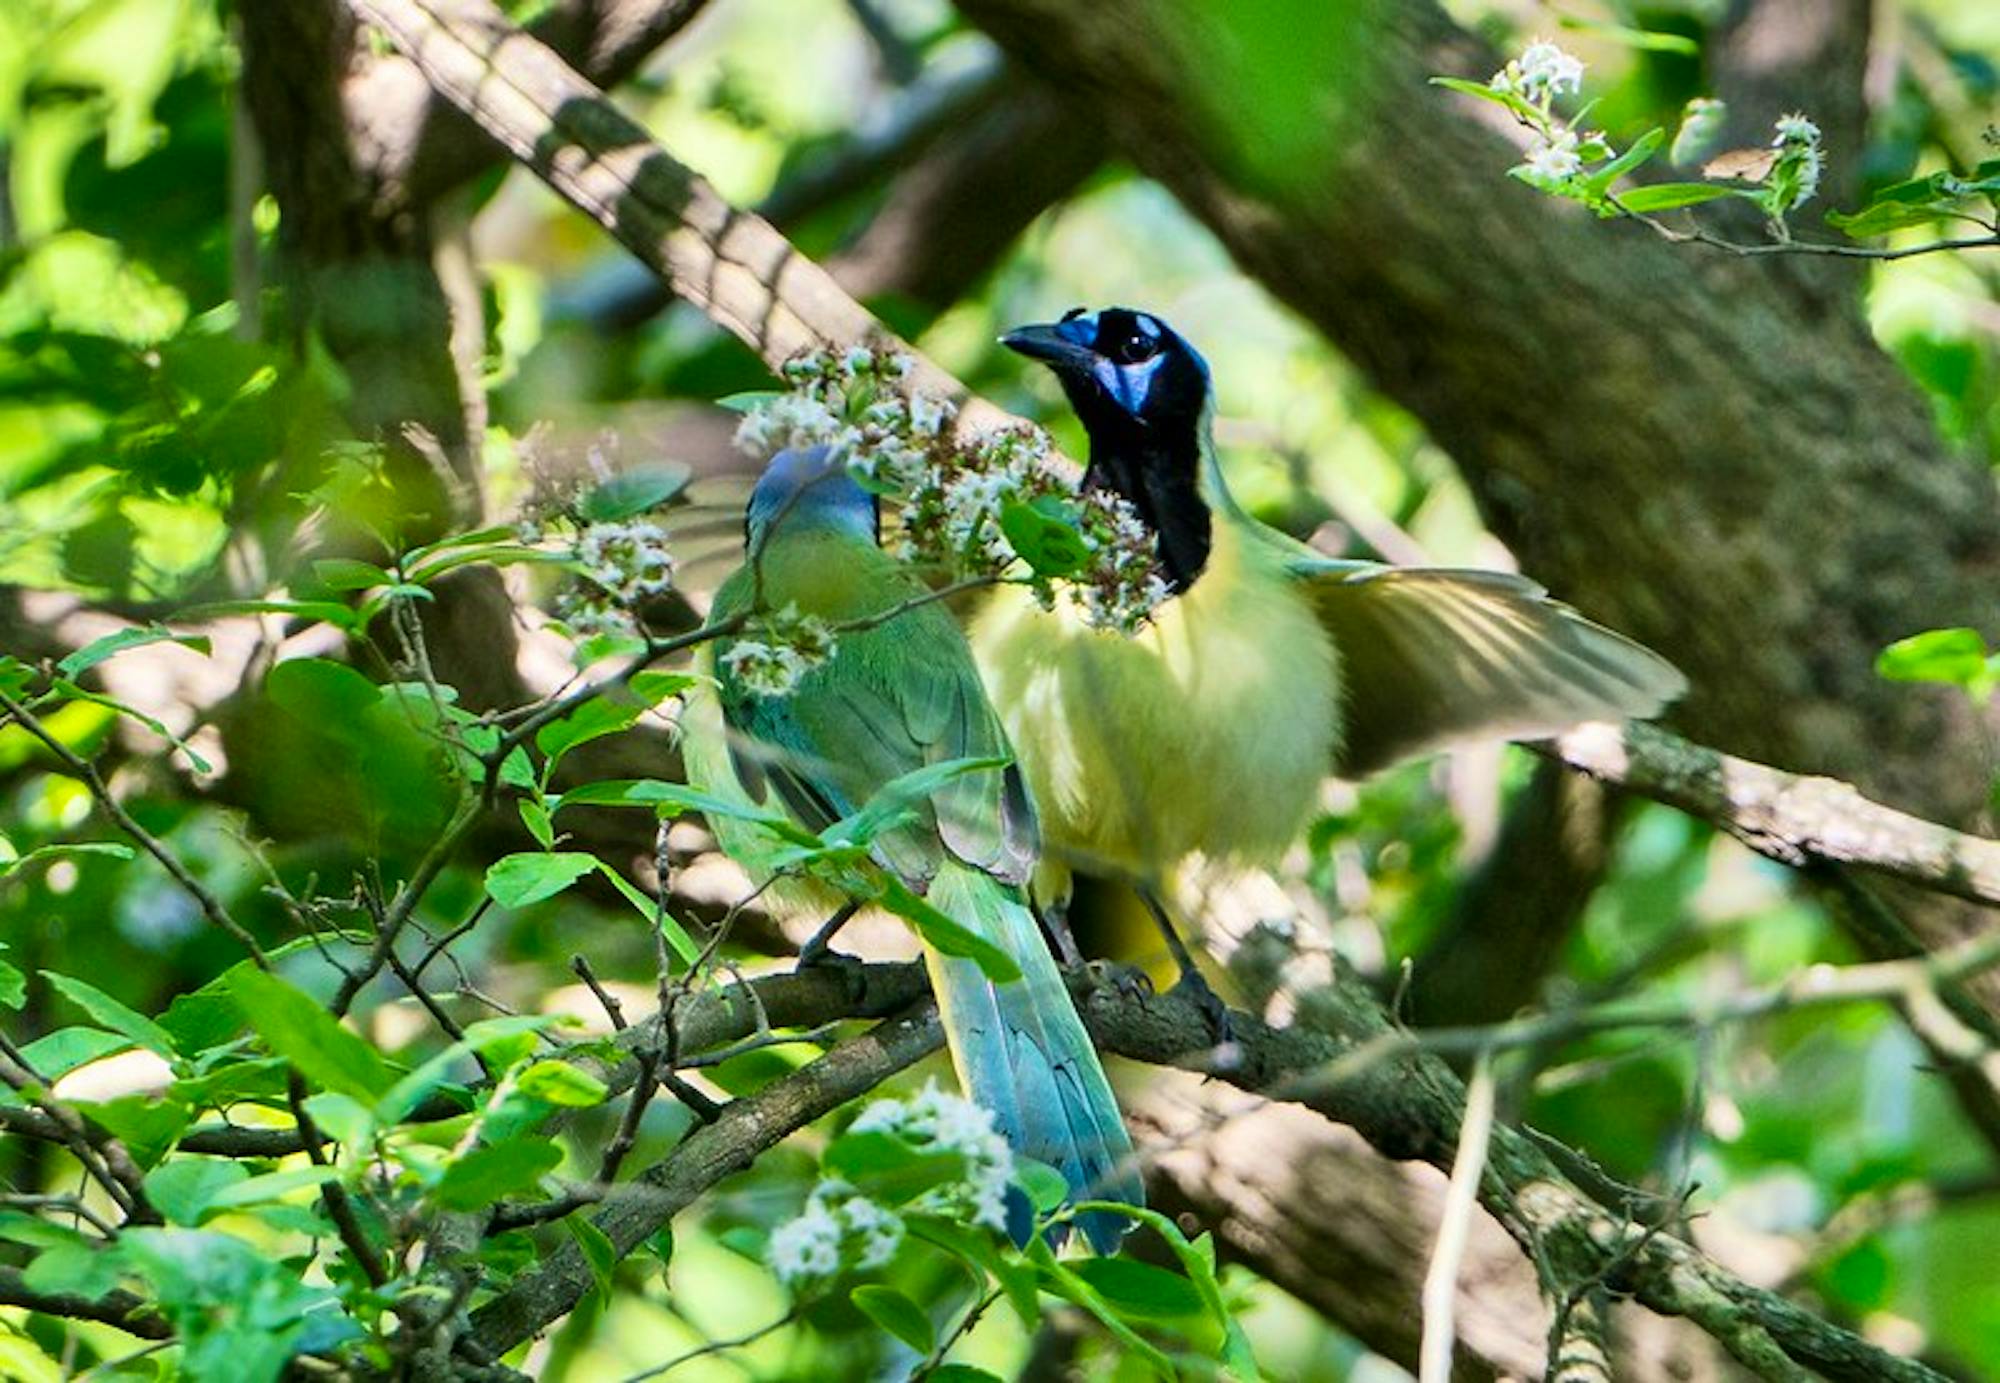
x,y
496,555
960,1373
297,1027
183,1189
1956,657
1046,1186
13,986
514,881
1058,1278
347,574
1197,1260
1599,182
887,1169
1668,195
896,1314
1139,1289
1649,40
672,799
98,650
146,1126
902,797
1044,533
500,1040
1918,202
677,936
320,611
72,1269
654,686
272,1186
489,1174
634,490
559,1083
748,399
320,691
58,1053
536,818
1486,93
597,1249
109,848
594,719
113,1015
950,937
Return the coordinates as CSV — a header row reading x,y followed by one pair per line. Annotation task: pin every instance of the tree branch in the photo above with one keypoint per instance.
x,y
1793,819
130,1313
745,1129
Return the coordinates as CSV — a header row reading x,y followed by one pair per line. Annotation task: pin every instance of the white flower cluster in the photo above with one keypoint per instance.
x,y
1557,151
792,645
1542,73
1554,155
839,1228
623,564
1123,587
948,494
1801,161
935,1120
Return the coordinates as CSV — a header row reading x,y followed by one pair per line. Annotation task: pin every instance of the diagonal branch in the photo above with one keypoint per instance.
x,y
744,1130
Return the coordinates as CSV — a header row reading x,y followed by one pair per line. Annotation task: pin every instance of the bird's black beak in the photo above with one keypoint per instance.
x,y
1046,342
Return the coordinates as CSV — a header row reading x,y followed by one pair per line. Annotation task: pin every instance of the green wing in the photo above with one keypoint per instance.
x,y
891,700
1431,656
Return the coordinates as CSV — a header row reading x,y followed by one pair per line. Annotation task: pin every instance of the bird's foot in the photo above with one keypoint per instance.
x,y
1193,987
1127,981
816,954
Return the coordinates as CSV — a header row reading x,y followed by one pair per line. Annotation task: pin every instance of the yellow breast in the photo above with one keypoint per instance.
x,y
1210,730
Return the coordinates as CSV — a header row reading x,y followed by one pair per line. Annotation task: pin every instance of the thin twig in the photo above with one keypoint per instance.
x,y
1461,1202
211,906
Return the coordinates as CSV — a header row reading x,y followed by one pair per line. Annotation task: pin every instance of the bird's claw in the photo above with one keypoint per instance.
x,y
1127,981
1197,990
817,955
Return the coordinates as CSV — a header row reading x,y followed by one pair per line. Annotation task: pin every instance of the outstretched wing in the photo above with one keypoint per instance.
x,y
1432,656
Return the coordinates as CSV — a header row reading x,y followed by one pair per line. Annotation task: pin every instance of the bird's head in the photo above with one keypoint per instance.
x,y
1142,394
809,488
1124,371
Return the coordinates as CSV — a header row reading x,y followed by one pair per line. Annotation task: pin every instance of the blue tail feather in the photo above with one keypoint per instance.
x,y
1021,1050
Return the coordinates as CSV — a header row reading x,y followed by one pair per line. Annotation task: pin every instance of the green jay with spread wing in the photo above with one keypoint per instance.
x,y
1268,666
900,692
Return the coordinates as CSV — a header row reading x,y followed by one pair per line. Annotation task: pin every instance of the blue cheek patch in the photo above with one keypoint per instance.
x,y
1128,385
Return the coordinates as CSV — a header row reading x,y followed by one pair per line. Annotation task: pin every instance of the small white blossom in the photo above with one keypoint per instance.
x,y
1554,158
789,421
1546,67
628,560
764,669
1542,72
858,360
879,1228
838,1228
881,1116
928,415
1795,129
806,1247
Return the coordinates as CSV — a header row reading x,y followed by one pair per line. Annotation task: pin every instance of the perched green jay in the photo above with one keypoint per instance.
x,y
1269,666
898,692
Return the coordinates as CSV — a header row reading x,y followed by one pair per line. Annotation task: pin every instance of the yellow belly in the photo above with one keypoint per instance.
x,y
1210,730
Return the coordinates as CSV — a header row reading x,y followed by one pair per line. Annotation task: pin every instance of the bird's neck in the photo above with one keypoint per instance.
x,y
1172,479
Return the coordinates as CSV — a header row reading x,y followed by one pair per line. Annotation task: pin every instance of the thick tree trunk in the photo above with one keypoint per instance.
x,y
1676,441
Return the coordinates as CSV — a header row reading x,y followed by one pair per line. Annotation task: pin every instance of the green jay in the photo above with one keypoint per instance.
x,y
899,691
1269,666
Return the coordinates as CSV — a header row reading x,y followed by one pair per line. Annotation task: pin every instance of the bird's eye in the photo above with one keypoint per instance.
x,y
1133,349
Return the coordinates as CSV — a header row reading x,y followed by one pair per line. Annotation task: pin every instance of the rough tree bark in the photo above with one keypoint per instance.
x,y
1676,441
